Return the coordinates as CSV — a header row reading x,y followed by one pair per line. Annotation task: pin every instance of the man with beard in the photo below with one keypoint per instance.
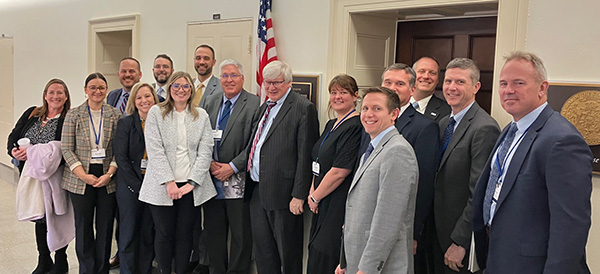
x,y
423,99
162,70
206,84
129,74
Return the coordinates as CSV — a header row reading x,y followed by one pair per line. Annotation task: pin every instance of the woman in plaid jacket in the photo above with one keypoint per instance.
x,y
87,137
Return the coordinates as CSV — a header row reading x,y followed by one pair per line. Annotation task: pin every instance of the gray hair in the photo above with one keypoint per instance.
x,y
401,66
278,68
465,63
232,62
531,58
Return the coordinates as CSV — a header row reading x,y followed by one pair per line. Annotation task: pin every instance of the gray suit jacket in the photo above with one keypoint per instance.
x,y
378,232
162,146
460,167
213,87
239,127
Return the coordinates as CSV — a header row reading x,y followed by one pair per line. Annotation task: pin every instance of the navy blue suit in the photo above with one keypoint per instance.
x,y
436,108
113,97
542,217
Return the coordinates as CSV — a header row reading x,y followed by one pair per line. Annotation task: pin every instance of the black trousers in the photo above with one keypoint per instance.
x,y
136,243
174,232
95,206
220,217
278,238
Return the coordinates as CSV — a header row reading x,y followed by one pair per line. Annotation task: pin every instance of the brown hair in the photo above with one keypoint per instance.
x,y
168,105
393,101
43,110
346,82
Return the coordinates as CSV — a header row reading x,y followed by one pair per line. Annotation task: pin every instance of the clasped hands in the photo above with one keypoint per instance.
x,y
96,182
175,192
221,171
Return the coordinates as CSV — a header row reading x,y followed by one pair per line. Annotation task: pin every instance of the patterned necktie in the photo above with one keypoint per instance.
x,y
124,102
197,96
416,105
270,105
447,135
160,92
368,153
495,172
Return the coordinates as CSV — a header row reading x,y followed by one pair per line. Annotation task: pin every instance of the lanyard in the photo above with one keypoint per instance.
x,y
96,135
334,128
501,168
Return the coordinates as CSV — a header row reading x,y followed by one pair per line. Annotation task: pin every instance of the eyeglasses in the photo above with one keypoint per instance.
x,y
274,83
100,88
178,86
233,76
163,67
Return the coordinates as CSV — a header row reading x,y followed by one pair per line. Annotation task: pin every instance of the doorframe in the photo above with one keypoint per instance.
x,y
511,33
109,24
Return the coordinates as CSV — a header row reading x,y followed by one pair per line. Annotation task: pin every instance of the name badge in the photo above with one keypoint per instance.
x,y
144,163
217,134
98,153
315,168
497,190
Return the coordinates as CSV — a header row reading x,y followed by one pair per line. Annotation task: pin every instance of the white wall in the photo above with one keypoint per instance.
x,y
50,37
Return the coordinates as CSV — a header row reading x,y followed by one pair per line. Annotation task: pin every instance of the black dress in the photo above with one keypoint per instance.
x,y
339,150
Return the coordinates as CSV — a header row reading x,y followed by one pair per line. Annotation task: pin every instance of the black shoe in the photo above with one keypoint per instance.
x,y
44,265
61,265
114,262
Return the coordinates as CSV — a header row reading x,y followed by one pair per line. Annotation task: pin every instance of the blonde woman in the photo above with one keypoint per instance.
x,y
179,144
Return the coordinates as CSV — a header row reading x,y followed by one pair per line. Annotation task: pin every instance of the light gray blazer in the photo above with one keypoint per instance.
x,y
161,146
378,233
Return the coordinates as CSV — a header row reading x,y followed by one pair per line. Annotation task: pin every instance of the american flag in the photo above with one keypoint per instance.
x,y
266,43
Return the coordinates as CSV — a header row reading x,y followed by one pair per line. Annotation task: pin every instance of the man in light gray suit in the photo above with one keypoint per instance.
x,y
468,136
206,83
381,201
231,116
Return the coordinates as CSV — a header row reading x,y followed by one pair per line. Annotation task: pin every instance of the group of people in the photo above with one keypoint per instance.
x,y
200,174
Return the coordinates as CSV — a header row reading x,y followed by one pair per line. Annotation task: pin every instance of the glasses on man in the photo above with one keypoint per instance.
x,y
178,86
233,76
162,67
94,88
274,83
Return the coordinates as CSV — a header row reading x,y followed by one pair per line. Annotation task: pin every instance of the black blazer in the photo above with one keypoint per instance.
x,y
285,157
23,124
423,135
128,148
436,108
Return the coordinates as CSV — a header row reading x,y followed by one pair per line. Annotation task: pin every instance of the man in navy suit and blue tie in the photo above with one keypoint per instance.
x,y
531,206
162,70
129,74
424,100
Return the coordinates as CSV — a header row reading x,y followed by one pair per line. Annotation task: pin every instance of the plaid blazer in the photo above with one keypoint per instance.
x,y
76,144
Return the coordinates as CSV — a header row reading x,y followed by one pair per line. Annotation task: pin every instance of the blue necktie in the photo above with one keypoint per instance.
x,y
495,172
368,152
447,135
416,105
225,115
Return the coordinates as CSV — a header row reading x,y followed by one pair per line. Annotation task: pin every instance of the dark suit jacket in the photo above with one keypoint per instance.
x,y
437,108
460,167
113,97
542,218
160,98
239,127
423,135
128,148
285,157
213,87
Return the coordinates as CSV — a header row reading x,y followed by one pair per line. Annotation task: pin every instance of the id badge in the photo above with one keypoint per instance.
x,y
497,191
217,134
316,168
144,164
98,153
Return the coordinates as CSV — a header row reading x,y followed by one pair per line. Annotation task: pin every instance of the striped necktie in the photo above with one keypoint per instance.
x,y
123,105
270,105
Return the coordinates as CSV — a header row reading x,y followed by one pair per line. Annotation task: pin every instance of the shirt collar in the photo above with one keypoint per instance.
x,y
402,109
525,122
378,138
232,100
280,102
461,114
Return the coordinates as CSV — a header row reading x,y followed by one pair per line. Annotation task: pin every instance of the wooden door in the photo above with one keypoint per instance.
x,y
447,39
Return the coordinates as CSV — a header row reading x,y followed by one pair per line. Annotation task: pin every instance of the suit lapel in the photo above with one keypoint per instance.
x,y
211,85
460,131
106,128
85,122
214,110
369,161
405,118
519,156
287,105
138,125
239,106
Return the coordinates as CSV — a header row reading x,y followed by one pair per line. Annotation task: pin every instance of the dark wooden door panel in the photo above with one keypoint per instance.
x,y
447,39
